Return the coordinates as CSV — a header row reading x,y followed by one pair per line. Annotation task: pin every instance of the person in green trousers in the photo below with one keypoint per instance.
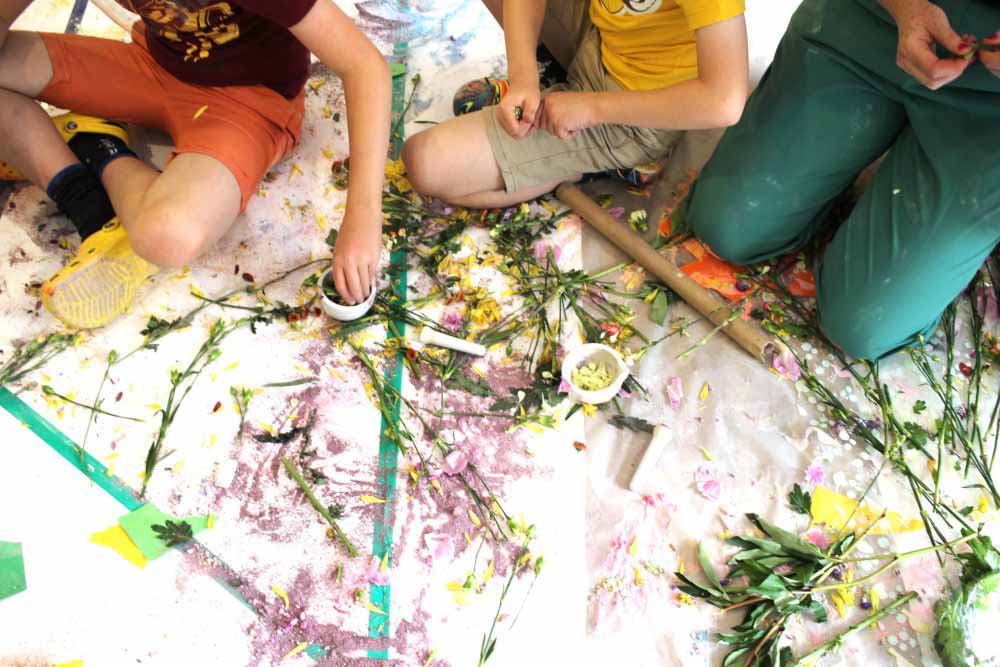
x,y
851,80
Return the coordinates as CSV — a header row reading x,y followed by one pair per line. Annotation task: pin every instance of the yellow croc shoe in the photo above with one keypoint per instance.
x,y
100,282
69,125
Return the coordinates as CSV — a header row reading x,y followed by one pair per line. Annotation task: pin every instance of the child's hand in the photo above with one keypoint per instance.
x,y
989,54
356,255
527,98
566,114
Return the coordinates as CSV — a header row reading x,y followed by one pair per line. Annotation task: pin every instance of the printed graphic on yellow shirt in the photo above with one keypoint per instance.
x,y
631,7
197,24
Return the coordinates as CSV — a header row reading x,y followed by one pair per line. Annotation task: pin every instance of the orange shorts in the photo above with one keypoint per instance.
x,y
247,128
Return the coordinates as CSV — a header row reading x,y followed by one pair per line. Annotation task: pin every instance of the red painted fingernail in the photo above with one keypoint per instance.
x,y
963,47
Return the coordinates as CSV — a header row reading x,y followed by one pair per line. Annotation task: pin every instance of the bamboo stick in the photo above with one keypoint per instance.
x,y
747,335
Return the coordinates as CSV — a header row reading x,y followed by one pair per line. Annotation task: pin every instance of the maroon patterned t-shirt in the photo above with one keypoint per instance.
x,y
235,43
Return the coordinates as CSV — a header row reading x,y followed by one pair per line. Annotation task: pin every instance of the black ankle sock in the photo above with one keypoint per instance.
x,y
98,150
81,198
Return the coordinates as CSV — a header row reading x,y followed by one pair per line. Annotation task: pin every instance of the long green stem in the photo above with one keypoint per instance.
x,y
811,658
318,506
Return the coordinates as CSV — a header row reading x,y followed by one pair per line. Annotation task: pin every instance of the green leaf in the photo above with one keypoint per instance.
x,y
772,588
173,533
331,238
916,435
474,386
709,570
658,311
789,541
733,659
801,501
631,424
919,407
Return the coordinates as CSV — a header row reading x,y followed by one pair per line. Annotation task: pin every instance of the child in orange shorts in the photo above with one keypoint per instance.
x,y
226,80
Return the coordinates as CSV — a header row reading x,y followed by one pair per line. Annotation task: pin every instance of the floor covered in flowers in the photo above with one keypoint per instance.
x,y
583,573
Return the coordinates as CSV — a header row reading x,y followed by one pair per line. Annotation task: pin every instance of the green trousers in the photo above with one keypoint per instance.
x,y
832,102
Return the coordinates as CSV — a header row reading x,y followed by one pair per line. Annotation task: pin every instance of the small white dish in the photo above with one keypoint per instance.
x,y
594,353
339,311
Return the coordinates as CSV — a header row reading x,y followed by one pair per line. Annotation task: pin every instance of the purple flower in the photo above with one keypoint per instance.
x,y
815,475
456,462
616,212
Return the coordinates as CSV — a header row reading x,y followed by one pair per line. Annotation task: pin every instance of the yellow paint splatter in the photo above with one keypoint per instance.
x,y
375,610
833,509
295,651
703,394
371,500
475,519
281,594
199,112
706,454
489,573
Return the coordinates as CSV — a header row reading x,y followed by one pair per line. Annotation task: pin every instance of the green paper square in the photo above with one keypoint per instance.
x,y
12,579
139,526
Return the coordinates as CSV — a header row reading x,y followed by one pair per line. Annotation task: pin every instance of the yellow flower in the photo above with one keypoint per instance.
x,y
395,173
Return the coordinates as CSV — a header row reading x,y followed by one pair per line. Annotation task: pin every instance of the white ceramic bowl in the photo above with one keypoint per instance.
x,y
601,354
339,311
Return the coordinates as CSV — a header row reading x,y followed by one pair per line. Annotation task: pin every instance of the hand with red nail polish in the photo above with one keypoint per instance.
x,y
922,26
989,54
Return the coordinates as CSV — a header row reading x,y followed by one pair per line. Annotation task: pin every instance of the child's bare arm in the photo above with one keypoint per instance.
x,y
333,37
522,24
714,99
9,11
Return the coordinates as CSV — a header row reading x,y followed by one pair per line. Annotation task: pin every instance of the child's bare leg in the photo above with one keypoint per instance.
x,y
173,217
454,162
30,142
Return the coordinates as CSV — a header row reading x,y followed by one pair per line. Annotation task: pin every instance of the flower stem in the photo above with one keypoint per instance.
x,y
318,506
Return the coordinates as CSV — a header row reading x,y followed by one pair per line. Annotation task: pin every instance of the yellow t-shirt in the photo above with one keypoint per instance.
x,y
648,44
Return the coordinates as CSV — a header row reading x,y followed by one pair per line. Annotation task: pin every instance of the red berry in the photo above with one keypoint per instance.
x,y
965,368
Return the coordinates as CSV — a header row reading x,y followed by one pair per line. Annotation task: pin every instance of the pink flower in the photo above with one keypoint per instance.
x,y
785,364
375,574
564,386
707,483
440,545
815,475
455,462
818,538
616,212
541,251
452,320
675,392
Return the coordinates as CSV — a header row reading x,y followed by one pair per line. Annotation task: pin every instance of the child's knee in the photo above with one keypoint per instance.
x,y
167,237
422,158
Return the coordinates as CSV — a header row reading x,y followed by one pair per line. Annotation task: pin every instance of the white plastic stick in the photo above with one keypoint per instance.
x,y
431,337
662,435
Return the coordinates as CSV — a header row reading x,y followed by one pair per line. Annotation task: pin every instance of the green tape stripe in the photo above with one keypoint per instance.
x,y
66,448
97,473
388,453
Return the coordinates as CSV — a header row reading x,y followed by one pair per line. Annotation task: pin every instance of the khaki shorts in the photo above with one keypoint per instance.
x,y
543,158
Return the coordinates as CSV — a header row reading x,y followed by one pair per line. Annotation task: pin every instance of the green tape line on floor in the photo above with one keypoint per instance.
x,y
388,453
96,471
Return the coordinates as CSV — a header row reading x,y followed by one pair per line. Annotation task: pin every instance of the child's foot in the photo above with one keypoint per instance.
x,y
479,94
100,282
639,176
70,125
